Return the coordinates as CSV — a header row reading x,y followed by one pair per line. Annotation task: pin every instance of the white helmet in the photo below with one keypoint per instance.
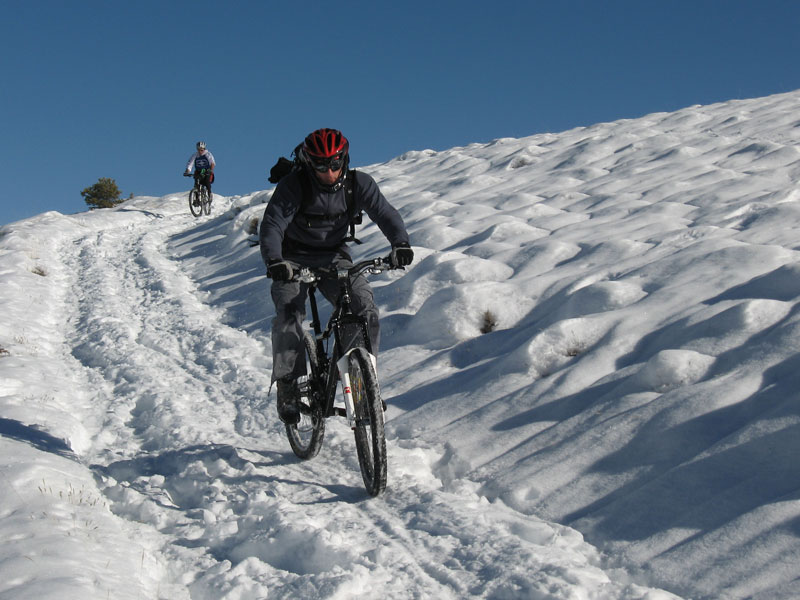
x,y
201,145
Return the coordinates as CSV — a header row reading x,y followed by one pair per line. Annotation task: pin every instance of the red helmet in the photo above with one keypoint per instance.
x,y
325,143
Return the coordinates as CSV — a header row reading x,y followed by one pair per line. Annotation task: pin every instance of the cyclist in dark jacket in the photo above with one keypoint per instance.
x,y
294,234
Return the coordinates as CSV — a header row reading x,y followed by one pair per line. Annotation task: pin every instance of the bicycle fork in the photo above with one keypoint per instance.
x,y
347,392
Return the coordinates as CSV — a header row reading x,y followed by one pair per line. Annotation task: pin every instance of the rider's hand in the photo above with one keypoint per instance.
x,y
187,174
279,270
402,255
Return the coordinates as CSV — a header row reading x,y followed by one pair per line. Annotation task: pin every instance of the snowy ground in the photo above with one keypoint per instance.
x,y
628,428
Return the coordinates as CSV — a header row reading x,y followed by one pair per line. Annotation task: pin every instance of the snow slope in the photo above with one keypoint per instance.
x,y
626,427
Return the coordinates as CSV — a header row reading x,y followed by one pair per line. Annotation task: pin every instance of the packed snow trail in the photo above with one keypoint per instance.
x,y
186,446
168,374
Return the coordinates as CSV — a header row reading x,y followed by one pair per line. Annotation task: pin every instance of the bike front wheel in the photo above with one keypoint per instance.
x,y
195,204
369,431
305,437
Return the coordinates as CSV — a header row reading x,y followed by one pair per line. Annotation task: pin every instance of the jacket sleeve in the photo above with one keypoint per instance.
x,y
280,211
378,209
190,164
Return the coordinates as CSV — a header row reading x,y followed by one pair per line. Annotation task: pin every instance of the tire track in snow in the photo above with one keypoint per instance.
x,y
162,366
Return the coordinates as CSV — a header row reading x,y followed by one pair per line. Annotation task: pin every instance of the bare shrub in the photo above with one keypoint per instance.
x,y
489,322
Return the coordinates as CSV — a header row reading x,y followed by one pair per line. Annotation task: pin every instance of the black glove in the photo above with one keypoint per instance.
x,y
187,174
279,270
402,255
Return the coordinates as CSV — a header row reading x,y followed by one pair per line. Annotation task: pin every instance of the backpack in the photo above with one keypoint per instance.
x,y
284,166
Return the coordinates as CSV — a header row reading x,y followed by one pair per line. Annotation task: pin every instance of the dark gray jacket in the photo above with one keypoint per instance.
x,y
285,230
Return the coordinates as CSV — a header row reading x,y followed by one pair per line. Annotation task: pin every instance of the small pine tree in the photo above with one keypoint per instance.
x,y
103,194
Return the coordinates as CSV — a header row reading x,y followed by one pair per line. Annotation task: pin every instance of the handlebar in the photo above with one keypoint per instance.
x,y
373,265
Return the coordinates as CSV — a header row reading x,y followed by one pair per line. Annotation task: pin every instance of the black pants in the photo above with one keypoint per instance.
x,y
204,179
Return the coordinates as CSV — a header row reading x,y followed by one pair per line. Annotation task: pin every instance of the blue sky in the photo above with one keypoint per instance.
x,y
96,89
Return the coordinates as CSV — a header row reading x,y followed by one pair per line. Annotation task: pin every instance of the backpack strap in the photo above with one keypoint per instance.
x,y
353,216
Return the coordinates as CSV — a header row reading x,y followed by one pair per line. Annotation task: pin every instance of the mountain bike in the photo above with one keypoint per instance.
x,y
199,196
341,353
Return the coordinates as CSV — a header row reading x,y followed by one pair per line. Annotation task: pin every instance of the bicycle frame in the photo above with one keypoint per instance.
x,y
341,316
198,185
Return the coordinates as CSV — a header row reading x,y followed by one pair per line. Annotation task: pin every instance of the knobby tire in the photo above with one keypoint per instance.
x,y
198,209
305,437
369,431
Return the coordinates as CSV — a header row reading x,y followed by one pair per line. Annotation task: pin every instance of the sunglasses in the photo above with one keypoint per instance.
x,y
323,165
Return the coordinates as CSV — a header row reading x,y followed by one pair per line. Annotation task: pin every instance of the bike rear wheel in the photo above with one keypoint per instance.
x,y
369,431
305,437
195,204
206,200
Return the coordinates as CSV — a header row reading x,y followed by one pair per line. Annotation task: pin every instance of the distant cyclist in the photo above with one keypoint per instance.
x,y
203,164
